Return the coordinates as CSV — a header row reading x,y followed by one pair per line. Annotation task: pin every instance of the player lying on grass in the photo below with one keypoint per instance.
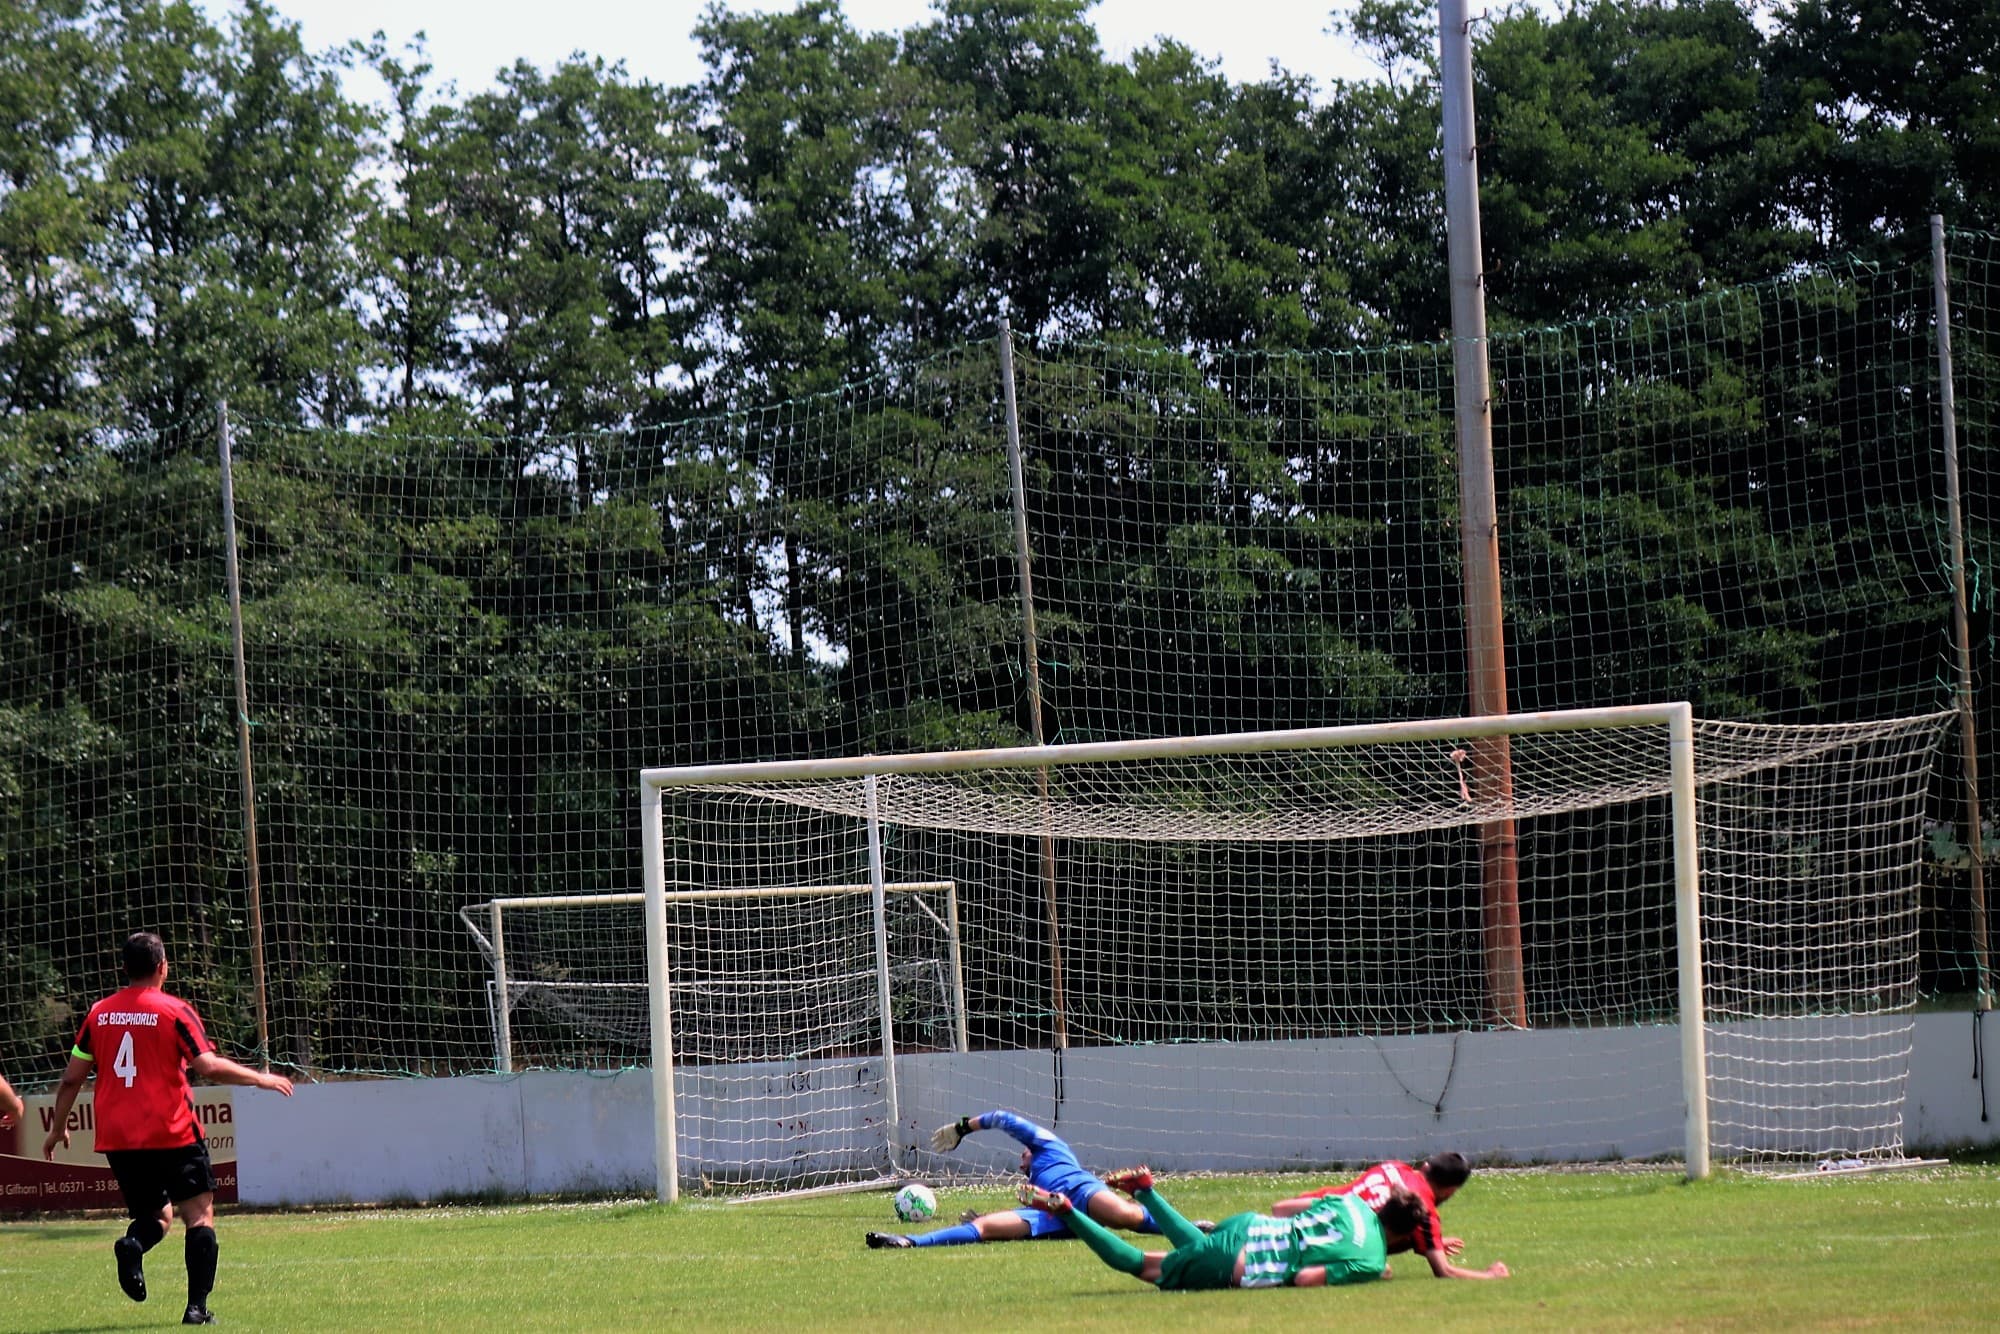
x,y
1433,1181
1047,1162
1338,1240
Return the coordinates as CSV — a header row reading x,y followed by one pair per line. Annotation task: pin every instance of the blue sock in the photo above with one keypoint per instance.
x,y
1149,1225
962,1235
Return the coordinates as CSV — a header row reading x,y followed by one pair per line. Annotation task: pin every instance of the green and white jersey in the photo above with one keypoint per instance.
x,y
1339,1232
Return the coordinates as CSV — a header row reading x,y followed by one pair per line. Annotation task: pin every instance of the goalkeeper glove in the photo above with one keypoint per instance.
x,y
945,1138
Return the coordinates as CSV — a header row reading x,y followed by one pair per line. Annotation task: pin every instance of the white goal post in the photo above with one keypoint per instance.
x,y
1264,951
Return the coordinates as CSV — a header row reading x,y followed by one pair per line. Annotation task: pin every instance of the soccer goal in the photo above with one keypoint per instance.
x,y
763,978
1600,934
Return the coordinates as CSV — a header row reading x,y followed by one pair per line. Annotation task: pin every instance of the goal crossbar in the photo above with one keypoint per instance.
x,y
1152,748
638,897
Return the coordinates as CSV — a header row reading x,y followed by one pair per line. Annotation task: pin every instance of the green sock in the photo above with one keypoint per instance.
x,y
1172,1226
1114,1250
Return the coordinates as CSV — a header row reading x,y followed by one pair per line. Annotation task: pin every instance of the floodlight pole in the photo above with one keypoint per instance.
x,y
1961,623
1479,523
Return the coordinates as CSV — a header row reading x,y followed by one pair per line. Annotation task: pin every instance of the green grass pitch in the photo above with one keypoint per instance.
x,y
1596,1251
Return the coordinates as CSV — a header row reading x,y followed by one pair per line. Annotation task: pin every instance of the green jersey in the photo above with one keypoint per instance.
x,y
1339,1232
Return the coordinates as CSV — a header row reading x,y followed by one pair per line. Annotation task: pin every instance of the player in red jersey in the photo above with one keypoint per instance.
x,y
142,1043
1433,1181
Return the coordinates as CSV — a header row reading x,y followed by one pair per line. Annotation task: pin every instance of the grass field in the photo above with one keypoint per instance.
x,y
1595,1251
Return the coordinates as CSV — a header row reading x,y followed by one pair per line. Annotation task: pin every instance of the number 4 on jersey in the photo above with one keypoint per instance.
x,y
123,1065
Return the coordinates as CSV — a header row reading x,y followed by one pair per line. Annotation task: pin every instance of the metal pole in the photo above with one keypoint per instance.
x,y
1479,523
252,876
1961,622
1032,653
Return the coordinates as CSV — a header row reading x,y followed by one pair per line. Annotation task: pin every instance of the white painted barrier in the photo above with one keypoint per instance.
x,y
559,1133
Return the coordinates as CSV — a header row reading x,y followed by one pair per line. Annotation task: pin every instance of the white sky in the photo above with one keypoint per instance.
x,y
469,40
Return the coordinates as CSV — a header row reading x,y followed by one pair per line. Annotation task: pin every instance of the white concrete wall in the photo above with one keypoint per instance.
x,y
1513,1095
1944,1105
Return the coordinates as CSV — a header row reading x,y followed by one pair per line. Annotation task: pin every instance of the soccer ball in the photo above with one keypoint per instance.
x,y
915,1203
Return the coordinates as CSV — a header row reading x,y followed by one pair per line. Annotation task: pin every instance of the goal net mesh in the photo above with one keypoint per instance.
x,y
1266,960
461,644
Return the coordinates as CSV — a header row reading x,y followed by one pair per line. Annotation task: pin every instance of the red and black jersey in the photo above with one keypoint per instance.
x,y
141,1040
1373,1187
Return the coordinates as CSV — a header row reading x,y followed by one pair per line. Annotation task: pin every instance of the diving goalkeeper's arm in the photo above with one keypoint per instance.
x,y
1025,1132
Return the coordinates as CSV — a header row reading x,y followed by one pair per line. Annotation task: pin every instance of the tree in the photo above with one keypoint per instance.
x,y
1024,82
795,272
1620,142
1386,161
49,70
411,270
559,198
1905,100
229,199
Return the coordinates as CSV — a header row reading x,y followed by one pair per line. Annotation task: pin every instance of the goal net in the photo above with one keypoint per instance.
x,y
1293,949
776,998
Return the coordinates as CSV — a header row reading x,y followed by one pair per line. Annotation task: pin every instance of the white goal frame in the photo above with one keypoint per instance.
x,y
494,940
1676,718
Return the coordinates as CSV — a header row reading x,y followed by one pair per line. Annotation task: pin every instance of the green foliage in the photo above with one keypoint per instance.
x,y
496,558
1907,98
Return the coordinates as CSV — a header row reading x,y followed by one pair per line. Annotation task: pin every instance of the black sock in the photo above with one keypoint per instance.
x,y
200,1264
146,1231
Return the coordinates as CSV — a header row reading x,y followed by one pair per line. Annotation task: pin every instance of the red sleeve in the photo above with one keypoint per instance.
x,y
1430,1232
187,1028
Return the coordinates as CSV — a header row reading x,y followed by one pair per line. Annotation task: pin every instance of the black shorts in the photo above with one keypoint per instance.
x,y
149,1178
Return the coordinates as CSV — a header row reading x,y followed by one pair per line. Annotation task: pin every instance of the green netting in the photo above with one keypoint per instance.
x,y
461,651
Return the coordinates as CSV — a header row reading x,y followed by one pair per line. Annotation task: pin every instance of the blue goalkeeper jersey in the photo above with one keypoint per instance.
x,y
1052,1164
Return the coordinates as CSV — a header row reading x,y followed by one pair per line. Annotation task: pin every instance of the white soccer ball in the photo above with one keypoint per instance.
x,y
915,1203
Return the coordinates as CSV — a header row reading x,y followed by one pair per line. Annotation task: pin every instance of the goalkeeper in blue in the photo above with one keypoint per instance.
x,y
1340,1239
1050,1165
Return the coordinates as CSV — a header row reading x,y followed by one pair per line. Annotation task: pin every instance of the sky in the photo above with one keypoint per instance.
x,y
469,40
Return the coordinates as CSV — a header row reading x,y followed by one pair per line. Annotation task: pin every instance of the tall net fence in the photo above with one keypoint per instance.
x,y
460,651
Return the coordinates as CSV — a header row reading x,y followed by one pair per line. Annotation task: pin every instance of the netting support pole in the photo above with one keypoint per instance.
x,y
652,858
878,902
1479,523
1032,656
253,880
1961,622
1687,939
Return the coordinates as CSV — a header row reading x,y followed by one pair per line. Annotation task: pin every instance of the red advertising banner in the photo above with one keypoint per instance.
x,y
79,1178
